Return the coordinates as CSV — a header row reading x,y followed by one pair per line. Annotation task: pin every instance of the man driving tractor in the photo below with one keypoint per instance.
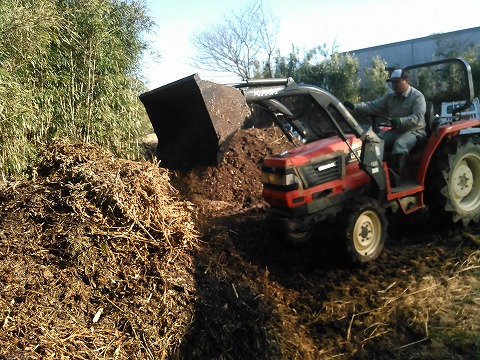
x,y
406,108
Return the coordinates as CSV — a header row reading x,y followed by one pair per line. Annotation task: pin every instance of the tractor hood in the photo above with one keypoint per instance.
x,y
315,151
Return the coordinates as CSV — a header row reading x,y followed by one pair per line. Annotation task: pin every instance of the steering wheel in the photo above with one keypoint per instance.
x,y
376,121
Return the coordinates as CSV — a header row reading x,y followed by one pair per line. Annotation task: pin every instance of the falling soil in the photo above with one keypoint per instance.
x,y
105,258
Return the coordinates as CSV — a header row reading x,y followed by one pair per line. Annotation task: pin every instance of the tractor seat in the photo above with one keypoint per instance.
x,y
429,118
429,121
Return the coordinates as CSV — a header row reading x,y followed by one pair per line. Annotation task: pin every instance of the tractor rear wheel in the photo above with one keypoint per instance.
x,y
366,230
456,181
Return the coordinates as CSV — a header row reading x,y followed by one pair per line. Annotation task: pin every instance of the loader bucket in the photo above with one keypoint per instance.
x,y
194,121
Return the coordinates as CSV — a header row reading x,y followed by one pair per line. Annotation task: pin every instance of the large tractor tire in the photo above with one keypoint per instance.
x,y
454,181
365,230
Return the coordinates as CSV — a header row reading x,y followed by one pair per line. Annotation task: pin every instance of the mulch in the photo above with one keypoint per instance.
x,y
95,259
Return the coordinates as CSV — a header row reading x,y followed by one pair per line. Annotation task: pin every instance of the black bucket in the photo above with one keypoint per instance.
x,y
194,121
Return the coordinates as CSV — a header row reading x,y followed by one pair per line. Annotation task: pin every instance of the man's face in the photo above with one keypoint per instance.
x,y
399,85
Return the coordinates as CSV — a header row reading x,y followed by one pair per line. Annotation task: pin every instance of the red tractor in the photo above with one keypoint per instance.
x,y
338,168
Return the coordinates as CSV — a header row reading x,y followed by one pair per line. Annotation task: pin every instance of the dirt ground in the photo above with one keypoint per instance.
x,y
108,258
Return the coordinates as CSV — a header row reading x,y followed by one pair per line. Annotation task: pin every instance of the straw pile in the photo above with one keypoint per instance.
x,y
100,258
95,259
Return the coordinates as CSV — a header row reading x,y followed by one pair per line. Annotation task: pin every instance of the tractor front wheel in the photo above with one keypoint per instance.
x,y
298,237
366,230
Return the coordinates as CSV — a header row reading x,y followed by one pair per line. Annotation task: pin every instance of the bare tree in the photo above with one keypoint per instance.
x,y
239,43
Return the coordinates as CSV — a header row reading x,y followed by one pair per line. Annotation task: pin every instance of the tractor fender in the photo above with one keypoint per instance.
x,y
441,133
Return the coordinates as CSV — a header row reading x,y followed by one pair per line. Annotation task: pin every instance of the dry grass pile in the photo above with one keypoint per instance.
x,y
99,258
95,259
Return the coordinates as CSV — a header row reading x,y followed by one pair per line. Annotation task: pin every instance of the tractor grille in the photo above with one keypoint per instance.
x,y
317,173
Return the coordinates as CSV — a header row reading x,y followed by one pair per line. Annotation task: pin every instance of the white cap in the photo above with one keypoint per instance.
x,y
398,73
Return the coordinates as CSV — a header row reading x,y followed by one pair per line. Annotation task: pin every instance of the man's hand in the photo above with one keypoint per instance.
x,y
396,122
349,105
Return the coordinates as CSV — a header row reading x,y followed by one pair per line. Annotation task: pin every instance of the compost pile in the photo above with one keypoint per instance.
x,y
236,184
95,259
104,258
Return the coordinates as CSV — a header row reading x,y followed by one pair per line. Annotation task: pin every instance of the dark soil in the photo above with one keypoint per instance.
x,y
89,233
400,306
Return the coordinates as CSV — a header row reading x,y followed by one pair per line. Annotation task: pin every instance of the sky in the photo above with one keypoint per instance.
x,y
349,24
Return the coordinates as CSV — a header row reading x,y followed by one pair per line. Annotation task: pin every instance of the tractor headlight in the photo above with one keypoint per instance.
x,y
279,178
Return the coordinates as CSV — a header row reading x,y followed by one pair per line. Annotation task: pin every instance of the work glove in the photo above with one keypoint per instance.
x,y
349,105
396,122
